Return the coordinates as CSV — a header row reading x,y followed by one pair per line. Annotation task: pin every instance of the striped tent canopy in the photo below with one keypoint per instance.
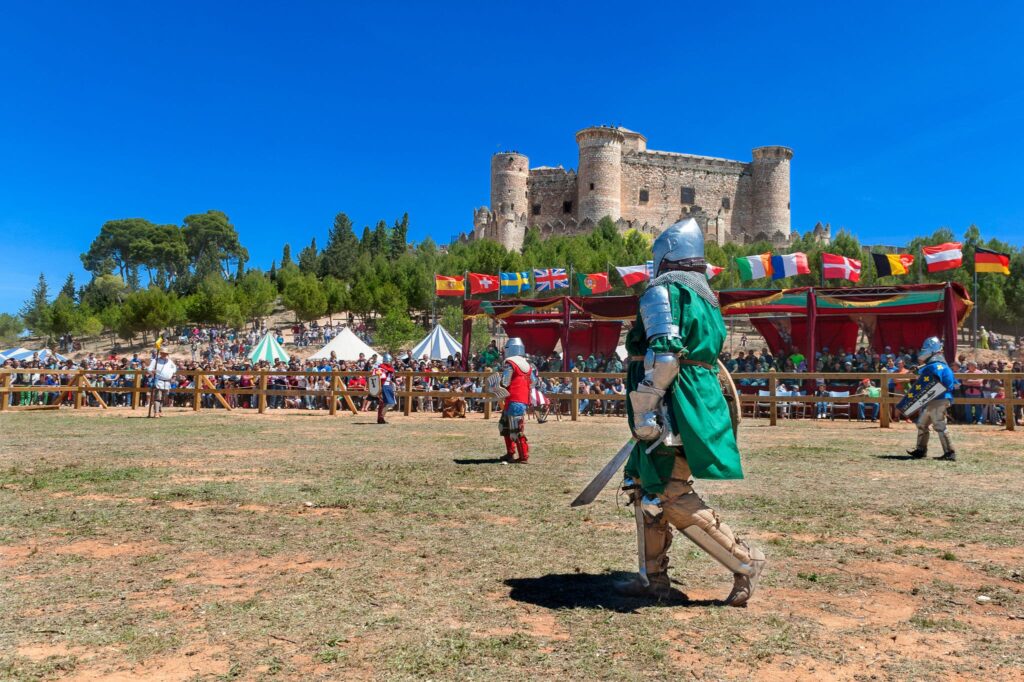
x,y
20,354
437,345
268,349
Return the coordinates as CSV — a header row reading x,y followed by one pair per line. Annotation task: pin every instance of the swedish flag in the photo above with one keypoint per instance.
x,y
515,282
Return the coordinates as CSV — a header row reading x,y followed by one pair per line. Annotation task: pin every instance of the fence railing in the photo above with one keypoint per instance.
x,y
758,392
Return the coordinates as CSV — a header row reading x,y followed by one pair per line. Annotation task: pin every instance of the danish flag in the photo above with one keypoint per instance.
x,y
840,267
551,278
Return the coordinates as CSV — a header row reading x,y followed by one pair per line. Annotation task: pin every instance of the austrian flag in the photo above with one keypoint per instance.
x,y
482,284
840,267
941,257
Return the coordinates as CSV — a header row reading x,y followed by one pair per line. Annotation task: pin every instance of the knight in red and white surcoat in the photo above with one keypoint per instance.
x,y
516,378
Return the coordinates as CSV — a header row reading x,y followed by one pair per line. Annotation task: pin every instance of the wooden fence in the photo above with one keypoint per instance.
x,y
759,392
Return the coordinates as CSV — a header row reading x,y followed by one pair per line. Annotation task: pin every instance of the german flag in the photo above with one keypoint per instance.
x,y
986,260
888,264
448,285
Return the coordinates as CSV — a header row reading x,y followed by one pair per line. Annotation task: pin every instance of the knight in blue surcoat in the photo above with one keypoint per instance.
x,y
934,368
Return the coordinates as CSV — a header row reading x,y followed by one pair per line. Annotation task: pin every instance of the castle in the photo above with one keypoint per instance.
x,y
639,188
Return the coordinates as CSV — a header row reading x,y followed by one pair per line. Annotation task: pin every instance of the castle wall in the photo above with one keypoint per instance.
x,y
600,174
665,176
771,215
549,189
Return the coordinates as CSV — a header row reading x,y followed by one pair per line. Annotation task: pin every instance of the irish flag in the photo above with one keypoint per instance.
x,y
941,257
755,267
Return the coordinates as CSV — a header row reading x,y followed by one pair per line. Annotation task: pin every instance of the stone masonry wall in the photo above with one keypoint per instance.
x,y
549,189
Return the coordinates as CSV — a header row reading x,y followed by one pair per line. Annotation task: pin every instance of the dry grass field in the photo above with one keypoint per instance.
x,y
300,547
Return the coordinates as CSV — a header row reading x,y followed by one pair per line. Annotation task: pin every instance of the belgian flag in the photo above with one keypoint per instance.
x,y
888,264
986,260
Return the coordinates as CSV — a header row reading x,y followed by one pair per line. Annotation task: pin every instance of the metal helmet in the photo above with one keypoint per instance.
x,y
514,346
931,347
680,241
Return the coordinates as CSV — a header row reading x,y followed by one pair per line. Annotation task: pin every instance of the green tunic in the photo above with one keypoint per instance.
x,y
700,412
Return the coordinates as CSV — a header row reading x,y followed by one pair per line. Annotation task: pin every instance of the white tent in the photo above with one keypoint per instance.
x,y
346,346
437,345
26,354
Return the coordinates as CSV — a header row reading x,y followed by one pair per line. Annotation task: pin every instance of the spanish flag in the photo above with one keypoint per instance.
x,y
986,260
449,285
888,264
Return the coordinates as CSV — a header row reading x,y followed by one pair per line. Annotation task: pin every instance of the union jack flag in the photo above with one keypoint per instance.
x,y
551,278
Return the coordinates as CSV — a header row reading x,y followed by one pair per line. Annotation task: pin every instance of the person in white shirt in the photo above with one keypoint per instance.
x,y
161,370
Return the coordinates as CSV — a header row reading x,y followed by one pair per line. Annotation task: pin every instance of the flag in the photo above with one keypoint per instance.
x,y
551,278
449,285
941,257
789,265
755,267
888,264
633,274
986,260
482,284
840,267
712,270
594,283
515,282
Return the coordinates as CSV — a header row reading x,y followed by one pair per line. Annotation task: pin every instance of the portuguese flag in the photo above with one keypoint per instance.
x,y
593,283
889,264
986,260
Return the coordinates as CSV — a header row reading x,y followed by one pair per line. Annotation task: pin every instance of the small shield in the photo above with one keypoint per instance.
x,y
373,385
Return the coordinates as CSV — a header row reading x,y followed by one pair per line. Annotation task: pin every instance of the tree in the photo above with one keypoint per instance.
x,y
69,287
399,237
214,303
309,259
255,295
35,313
336,293
64,317
213,244
304,296
118,245
342,249
395,330
11,327
286,255
104,291
149,310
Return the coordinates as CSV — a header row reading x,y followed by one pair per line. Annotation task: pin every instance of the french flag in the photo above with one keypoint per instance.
x,y
789,265
948,256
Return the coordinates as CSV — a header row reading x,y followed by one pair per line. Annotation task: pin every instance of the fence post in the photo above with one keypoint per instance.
x,y
77,384
333,397
5,390
408,394
773,407
136,385
197,380
1011,418
574,404
263,392
883,405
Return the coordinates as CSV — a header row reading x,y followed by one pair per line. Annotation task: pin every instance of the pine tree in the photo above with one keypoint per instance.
x,y
69,287
309,259
342,249
35,313
286,255
399,237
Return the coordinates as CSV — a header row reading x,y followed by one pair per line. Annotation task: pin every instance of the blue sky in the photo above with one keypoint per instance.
x,y
903,118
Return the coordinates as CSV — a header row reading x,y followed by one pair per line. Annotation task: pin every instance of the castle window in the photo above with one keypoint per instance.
x,y
726,203
644,196
591,187
566,207
687,195
536,209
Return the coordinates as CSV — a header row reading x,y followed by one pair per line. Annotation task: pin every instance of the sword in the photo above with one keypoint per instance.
x,y
641,540
601,480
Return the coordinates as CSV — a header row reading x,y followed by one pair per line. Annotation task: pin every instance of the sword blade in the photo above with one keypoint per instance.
x,y
601,480
641,540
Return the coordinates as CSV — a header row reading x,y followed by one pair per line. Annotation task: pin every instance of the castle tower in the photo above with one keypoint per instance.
x,y
509,174
770,180
599,180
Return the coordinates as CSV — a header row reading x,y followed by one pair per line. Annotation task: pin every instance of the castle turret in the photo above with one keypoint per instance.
x,y
599,179
770,176
510,172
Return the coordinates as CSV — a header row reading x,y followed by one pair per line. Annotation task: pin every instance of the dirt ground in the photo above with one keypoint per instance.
x,y
296,546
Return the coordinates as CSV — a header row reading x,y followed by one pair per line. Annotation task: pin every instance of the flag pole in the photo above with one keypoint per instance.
x,y
433,302
571,275
974,332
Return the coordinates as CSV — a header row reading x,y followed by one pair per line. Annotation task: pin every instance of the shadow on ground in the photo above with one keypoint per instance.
x,y
589,591
483,460
902,458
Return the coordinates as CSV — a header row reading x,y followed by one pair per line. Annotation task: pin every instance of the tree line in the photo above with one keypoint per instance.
x,y
146,277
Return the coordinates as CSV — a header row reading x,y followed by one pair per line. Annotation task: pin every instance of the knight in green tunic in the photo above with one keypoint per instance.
x,y
680,418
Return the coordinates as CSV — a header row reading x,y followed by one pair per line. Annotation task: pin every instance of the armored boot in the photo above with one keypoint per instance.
x,y
743,585
917,453
948,456
524,450
948,453
659,588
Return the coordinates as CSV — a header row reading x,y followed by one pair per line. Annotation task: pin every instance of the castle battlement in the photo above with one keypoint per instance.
x,y
638,188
